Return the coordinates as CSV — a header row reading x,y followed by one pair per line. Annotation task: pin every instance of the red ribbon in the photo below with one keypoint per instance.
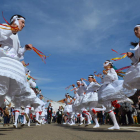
x,y
42,55
26,65
123,68
16,111
40,112
68,87
117,52
16,28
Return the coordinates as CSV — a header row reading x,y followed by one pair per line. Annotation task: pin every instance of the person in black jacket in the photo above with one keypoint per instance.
x,y
49,113
59,115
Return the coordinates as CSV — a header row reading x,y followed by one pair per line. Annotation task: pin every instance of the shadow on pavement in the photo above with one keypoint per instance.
x,y
79,128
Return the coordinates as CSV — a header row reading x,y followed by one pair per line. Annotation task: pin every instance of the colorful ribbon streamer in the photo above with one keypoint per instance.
x,y
117,52
72,89
85,79
118,58
68,87
29,77
41,55
120,75
26,65
5,28
12,28
123,68
121,72
114,51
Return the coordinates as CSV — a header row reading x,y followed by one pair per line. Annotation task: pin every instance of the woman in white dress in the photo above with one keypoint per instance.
x,y
12,73
108,91
91,98
26,102
112,92
79,92
132,76
68,108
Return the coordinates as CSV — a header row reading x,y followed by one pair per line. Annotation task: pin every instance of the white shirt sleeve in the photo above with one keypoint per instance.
x,y
134,60
112,75
21,52
96,85
4,34
84,83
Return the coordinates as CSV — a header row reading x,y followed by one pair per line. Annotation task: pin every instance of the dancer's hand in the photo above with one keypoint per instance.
x,y
82,79
73,85
104,72
29,46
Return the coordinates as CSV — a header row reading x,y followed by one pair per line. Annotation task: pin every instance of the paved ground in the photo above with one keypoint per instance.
x,y
64,132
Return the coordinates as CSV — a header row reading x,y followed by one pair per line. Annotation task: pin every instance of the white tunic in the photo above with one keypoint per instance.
x,y
91,92
10,45
43,109
132,76
68,107
12,72
112,88
80,92
110,77
40,107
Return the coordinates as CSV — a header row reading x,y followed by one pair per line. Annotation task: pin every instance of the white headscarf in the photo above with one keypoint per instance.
x,y
15,18
107,63
79,81
91,76
138,43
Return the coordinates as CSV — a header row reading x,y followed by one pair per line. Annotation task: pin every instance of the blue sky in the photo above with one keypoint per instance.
x,y
79,35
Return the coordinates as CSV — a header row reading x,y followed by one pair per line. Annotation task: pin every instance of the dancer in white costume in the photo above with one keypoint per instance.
x,y
24,101
12,74
39,110
75,108
42,116
132,76
112,89
80,90
108,91
91,98
68,108
29,100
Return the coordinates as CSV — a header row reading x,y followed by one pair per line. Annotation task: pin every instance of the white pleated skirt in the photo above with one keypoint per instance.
x,y
114,91
132,77
89,97
68,108
13,80
77,102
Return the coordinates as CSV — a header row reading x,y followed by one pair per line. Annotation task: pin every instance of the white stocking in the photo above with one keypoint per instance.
x,y
16,117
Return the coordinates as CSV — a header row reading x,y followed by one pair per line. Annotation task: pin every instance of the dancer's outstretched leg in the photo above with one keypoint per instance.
x,y
113,118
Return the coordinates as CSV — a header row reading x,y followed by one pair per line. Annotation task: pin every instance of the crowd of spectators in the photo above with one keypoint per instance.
x,y
127,114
